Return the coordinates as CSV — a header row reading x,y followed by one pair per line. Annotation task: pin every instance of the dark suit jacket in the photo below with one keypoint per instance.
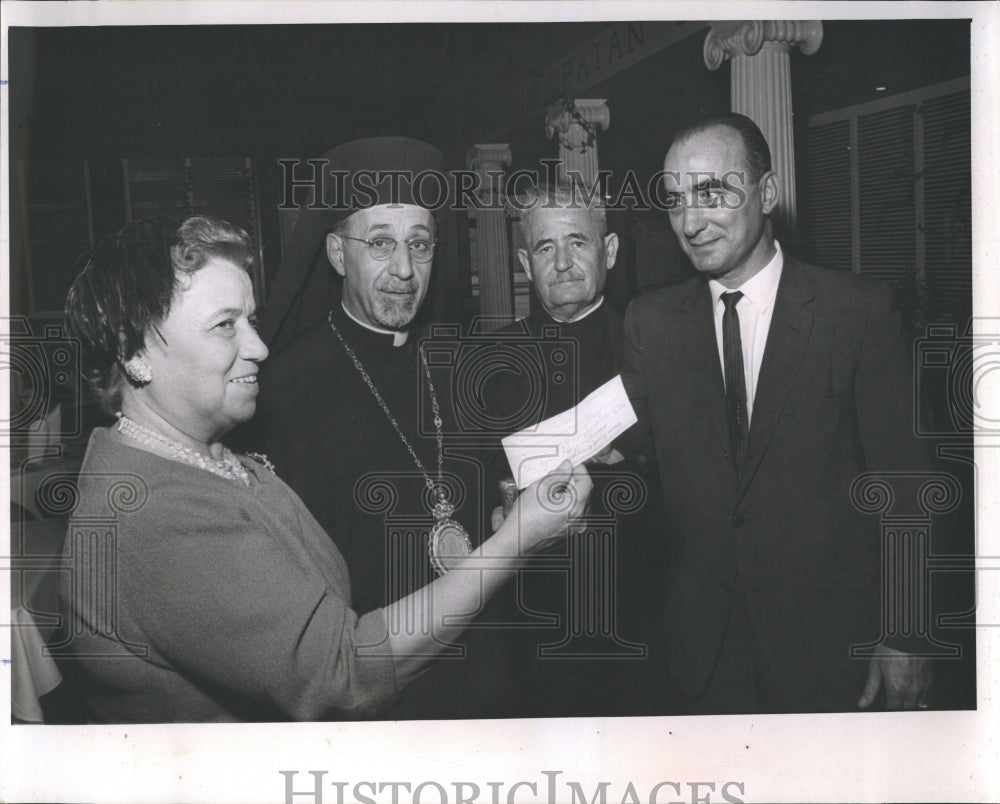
x,y
834,399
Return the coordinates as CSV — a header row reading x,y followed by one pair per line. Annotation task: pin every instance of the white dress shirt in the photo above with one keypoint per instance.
x,y
755,310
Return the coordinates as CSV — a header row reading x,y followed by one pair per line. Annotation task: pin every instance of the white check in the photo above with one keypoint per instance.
x,y
575,434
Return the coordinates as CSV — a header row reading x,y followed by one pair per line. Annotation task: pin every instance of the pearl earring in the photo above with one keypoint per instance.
x,y
138,370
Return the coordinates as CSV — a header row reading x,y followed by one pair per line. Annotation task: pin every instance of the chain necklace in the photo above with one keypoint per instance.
x,y
229,467
448,540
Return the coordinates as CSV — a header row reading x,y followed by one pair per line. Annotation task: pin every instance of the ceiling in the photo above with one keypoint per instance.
x,y
266,89
296,90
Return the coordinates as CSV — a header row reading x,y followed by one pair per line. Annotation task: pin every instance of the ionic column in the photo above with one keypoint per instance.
x,y
496,281
907,560
575,124
761,86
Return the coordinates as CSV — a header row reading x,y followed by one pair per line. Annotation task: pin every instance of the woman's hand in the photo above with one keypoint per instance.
x,y
545,508
541,512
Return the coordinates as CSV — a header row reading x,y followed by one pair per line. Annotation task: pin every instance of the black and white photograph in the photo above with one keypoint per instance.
x,y
500,402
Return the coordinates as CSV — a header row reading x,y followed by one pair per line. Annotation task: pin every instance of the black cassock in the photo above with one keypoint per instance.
x,y
329,439
588,662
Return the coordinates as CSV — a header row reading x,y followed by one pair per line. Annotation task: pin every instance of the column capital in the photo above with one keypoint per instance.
x,y
564,113
490,156
488,159
733,38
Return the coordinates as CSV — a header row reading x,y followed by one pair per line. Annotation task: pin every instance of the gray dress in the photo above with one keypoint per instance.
x,y
228,603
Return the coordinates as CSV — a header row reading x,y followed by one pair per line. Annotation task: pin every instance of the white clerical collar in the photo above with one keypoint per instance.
x,y
399,337
582,315
761,289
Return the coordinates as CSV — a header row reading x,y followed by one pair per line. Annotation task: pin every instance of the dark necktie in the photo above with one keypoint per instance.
x,y
736,386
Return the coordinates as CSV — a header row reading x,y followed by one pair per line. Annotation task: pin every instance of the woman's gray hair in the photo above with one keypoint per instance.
x,y
128,283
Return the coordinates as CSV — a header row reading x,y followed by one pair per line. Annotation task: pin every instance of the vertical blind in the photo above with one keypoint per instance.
x,y
828,199
887,195
886,192
221,187
52,215
948,193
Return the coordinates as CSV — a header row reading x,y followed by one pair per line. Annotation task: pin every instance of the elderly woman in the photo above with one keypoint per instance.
x,y
230,602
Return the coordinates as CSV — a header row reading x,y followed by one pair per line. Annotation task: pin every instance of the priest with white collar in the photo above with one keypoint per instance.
x,y
567,255
340,401
574,338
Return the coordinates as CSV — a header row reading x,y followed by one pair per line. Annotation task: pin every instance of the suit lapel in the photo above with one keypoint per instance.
x,y
791,325
705,370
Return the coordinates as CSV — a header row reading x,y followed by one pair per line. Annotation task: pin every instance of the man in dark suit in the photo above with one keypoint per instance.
x,y
765,387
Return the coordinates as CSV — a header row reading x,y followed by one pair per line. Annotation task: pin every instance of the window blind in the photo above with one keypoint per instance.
x,y
828,201
221,187
948,193
887,194
886,184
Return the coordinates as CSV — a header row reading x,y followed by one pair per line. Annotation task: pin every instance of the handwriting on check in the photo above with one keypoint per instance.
x,y
575,434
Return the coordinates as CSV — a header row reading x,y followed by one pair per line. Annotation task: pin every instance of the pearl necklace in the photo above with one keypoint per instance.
x,y
229,467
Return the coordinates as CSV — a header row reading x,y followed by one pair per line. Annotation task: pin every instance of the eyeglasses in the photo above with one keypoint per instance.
x,y
381,248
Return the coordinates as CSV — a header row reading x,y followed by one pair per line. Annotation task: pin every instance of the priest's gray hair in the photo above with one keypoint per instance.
x,y
564,194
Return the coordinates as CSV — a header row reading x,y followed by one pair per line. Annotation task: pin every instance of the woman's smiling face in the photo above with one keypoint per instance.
x,y
205,366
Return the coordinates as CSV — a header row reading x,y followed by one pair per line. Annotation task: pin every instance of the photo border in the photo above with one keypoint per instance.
x,y
860,757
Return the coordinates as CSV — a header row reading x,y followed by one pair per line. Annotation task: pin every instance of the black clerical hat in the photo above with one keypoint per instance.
x,y
356,175
381,170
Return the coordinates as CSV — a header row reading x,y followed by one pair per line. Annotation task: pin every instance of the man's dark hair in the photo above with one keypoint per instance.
x,y
758,155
